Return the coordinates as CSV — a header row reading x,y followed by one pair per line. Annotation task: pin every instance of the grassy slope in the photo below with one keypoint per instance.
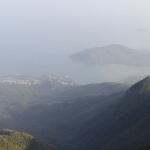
x,y
13,140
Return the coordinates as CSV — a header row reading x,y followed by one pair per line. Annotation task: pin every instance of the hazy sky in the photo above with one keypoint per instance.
x,y
68,26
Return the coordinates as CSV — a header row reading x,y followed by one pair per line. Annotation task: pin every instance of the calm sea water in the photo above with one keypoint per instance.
x,y
38,64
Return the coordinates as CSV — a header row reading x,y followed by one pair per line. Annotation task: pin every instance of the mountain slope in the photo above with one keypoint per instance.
x,y
131,118
126,124
114,121
105,88
112,54
17,92
66,122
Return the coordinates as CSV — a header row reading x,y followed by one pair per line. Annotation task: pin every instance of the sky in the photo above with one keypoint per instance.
x,y
66,27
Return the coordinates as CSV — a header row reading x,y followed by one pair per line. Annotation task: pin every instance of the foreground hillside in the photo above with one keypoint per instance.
x,y
13,140
112,54
128,127
64,125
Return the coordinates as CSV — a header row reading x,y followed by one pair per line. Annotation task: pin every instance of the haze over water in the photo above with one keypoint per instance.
x,y
38,36
59,64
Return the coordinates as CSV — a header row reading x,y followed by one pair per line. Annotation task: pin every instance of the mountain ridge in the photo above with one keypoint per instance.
x,y
140,87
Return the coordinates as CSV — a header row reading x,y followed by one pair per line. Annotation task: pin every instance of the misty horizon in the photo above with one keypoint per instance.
x,y
33,30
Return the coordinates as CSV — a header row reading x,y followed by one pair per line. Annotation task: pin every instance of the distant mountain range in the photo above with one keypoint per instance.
x,y
112,54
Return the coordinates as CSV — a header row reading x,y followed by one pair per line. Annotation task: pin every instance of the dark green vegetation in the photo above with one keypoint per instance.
x,y
113,54
95,116
13,140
